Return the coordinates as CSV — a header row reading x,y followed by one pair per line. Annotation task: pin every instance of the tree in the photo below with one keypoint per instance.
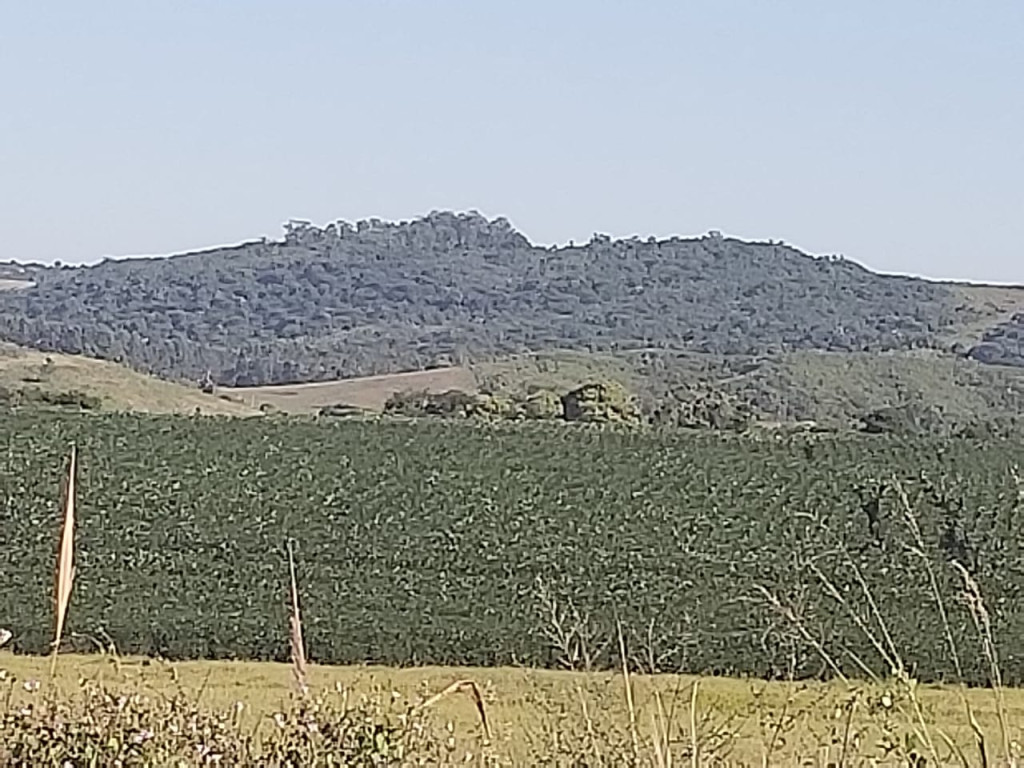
x,y
601,402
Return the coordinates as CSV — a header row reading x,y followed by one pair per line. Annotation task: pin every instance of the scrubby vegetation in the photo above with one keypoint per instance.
x,y
591,403
378,297
99,725
931,393
36,396
441,543
909,396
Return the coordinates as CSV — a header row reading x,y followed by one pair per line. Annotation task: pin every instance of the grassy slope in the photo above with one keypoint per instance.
x,y
834,387
830,388
560,371
118,387
527,708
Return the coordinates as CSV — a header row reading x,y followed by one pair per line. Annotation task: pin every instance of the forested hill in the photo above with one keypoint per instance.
x,y
376,297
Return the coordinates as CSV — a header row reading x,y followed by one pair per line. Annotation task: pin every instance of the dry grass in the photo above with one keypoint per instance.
x,y
367,392
117,387
559,370
538,714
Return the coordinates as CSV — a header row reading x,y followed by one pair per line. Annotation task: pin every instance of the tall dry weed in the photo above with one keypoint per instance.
x,y
65,570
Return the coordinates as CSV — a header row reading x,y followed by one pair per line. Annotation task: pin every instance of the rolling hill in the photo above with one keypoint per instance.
x,y
350,314
57,380
376,298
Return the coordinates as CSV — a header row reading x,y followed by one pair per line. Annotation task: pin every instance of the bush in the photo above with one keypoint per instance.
x,y
600,402
71,399
453,403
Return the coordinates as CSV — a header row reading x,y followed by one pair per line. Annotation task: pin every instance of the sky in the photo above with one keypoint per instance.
x,y
888,131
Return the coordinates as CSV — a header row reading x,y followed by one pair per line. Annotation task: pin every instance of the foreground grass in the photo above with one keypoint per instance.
x,y
556,718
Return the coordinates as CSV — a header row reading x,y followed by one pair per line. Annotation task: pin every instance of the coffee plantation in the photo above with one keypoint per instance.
x,y
446,543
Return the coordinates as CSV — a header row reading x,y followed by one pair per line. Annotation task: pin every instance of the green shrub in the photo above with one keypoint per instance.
x,y
70,399
601,402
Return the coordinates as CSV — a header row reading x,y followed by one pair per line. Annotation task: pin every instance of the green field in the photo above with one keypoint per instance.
x,y
431,543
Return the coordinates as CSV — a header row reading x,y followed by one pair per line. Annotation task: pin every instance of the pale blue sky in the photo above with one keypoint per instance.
x,y
891,131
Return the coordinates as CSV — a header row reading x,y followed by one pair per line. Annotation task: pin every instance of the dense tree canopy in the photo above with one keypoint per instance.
x,y
376,297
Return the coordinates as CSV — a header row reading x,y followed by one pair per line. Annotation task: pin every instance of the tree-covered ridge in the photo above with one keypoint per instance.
x,y
377,297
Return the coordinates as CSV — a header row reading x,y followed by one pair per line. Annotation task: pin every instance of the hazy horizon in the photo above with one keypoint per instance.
x,y
888,133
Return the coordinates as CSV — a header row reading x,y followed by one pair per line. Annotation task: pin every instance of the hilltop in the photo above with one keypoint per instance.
x,y
377,297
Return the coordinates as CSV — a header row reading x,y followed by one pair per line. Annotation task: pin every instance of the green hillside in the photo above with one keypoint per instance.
x,y
378,297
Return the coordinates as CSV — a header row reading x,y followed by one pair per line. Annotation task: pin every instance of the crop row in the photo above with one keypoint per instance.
x,y
450,544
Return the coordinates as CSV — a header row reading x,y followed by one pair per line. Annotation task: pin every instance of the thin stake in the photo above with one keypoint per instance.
x,y
298,650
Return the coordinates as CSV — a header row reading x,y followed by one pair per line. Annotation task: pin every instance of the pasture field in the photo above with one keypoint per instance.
x,y
448,544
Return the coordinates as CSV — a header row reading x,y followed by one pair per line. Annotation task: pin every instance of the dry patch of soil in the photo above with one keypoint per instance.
x,y
367,392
